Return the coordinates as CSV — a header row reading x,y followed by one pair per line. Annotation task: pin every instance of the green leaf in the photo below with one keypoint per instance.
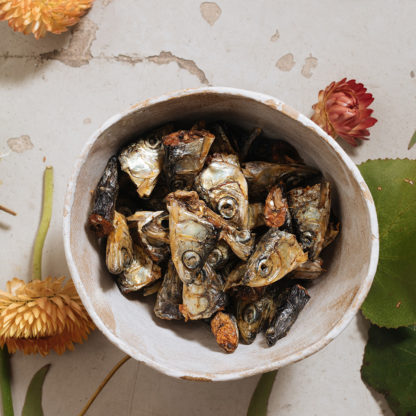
x,y
389,367
412,141
391,301
260,398
33,401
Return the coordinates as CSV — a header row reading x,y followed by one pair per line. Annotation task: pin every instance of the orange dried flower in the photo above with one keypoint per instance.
x,y
41,316
41,16
342,110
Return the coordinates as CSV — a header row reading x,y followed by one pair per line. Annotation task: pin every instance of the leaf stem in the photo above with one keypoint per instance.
x,y
6,393
260,398
44,223
103,383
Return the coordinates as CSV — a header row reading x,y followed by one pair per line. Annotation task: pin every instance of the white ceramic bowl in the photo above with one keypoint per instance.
x,y
189,350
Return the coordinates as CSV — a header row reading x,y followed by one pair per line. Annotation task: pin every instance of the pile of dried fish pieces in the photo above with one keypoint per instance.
x,y
192,216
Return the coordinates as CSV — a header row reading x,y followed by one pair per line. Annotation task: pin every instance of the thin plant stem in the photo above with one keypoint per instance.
x,y
260,398
103,383
8,210
44,223
6,393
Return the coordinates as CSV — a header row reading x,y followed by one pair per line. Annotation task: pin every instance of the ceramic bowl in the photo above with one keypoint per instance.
x,y
189,351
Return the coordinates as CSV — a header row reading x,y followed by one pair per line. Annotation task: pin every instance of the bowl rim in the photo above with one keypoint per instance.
x,y
277,105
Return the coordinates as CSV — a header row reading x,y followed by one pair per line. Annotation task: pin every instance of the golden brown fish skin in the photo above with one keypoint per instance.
x,y
277,254
157,249
192,237
223,187
142,161
276,210
185,153
253,316
309,270
119,249
105,197
290,304
261,176
255,215
225,330
205,296
140,273
169,296
310,209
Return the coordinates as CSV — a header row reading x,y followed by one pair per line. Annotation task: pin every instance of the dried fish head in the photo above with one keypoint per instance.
x,y
310,208
261,176
241,241
253,316
185,154
276,254
141,272
192,237
119,249
219,256
169,296
290,304
142,161
157,248
157,229
223,187
205,296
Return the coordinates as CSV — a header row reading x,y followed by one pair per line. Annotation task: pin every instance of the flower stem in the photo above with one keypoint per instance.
x,y
8,210
44,223
103,383
6,393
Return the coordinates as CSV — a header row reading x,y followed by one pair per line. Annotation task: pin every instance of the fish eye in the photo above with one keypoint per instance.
x,y
154,142
227,207
263,267
215,257
191,259
243,236
250,314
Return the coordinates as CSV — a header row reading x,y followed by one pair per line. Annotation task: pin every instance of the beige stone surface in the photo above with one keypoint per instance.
x,y
55,92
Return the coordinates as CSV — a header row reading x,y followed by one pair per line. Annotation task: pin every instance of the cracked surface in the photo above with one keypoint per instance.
x,y
60,103
166,57
78,52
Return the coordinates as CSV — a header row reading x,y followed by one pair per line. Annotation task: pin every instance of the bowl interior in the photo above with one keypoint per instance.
x,y
189,350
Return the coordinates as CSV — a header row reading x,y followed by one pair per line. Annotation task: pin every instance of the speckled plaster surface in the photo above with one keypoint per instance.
x,y
57,91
